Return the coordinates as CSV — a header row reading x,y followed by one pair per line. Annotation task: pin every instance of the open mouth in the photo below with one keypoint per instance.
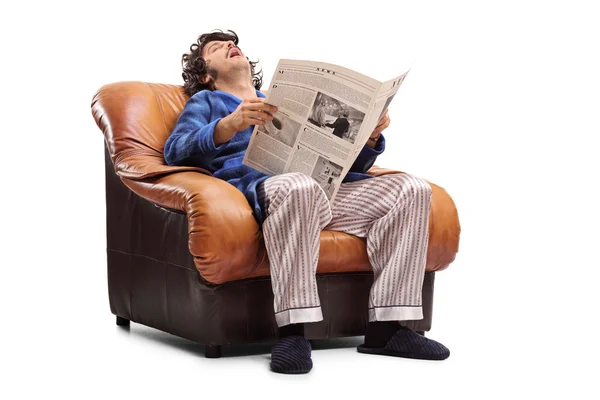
x,y
234,52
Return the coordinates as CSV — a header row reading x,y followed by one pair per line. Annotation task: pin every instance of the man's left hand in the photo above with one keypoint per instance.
x,y
383,123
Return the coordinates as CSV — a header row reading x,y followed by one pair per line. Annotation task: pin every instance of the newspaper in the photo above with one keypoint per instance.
x,y
325,116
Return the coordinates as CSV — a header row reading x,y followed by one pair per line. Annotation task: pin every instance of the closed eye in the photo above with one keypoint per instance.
x,y
214,47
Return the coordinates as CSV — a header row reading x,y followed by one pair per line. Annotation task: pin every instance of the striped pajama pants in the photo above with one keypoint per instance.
x,y
391,212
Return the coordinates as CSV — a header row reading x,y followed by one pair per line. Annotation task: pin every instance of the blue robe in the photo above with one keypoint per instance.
x,y
191,143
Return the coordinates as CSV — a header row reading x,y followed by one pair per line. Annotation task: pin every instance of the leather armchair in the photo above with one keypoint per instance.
x,y
185,254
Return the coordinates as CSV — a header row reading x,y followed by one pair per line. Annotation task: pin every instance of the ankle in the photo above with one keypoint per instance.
x,y
379,333
291,330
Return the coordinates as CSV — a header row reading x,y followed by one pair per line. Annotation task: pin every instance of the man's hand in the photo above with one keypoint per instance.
x,y
383,123
249,112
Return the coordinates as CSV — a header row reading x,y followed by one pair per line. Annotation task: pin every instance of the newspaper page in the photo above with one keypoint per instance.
x,y
325,115
384,98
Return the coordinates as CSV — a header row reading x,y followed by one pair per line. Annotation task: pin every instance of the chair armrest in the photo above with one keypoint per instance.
x,y
444,226
224,238
136,119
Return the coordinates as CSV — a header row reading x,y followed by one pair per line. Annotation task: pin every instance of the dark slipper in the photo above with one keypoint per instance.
x,y
291,355
409,344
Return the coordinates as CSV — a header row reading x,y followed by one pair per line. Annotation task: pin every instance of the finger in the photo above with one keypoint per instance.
x,y
257,121
260,102
267,108
383,120
266,115
387,123
382,127
263,110
261,115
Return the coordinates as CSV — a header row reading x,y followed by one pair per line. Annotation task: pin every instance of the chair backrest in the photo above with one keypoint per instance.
x,y
136,119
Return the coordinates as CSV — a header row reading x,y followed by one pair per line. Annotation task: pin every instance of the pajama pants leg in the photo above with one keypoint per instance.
x,y
392,212
297,211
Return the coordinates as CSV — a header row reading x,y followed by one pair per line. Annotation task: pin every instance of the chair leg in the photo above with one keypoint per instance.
x,y
122,321
212,351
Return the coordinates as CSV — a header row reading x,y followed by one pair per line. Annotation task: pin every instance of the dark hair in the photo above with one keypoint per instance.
x,y
194,65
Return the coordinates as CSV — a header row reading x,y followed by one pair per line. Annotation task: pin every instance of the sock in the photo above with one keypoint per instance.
x,y
380,332
291,330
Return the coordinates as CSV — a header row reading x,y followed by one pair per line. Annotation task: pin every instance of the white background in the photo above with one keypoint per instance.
x,y
500,108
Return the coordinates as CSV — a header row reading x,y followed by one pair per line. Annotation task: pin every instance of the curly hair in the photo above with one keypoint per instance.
x,y
195,68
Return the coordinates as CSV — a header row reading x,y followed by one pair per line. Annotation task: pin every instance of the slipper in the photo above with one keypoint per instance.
x,y
291,355
407,343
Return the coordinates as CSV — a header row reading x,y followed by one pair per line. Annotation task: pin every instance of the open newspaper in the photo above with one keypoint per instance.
x,y
325,116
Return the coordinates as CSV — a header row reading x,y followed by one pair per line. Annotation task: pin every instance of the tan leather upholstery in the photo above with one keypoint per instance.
x,y
224,238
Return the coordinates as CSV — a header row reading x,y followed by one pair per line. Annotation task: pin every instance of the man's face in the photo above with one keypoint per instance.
x,y
224,57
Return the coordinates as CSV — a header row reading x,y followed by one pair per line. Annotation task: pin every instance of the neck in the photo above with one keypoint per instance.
x,y
242,89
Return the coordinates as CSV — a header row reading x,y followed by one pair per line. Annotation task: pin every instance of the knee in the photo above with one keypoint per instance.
x,y
420,187
414,187
299,184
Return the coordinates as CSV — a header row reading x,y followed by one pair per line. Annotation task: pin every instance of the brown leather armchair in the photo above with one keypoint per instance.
x,y
185,254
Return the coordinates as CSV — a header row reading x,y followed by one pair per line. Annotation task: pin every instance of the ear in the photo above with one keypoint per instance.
x,y
205,79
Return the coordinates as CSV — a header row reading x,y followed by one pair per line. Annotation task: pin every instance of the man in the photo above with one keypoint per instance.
x,y
340,125
391,212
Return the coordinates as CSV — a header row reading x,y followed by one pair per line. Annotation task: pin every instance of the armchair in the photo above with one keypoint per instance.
x,y
185,254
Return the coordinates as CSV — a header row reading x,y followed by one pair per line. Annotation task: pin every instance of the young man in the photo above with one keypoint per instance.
x,y
391,211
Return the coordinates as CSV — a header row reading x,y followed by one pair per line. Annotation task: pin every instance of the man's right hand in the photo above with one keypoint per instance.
x,y
249,112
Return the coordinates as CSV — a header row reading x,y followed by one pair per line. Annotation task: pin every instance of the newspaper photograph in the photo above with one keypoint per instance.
x,y
336,118
326,114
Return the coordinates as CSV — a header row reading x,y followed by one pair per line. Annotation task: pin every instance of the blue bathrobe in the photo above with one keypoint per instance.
x,y
191,143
